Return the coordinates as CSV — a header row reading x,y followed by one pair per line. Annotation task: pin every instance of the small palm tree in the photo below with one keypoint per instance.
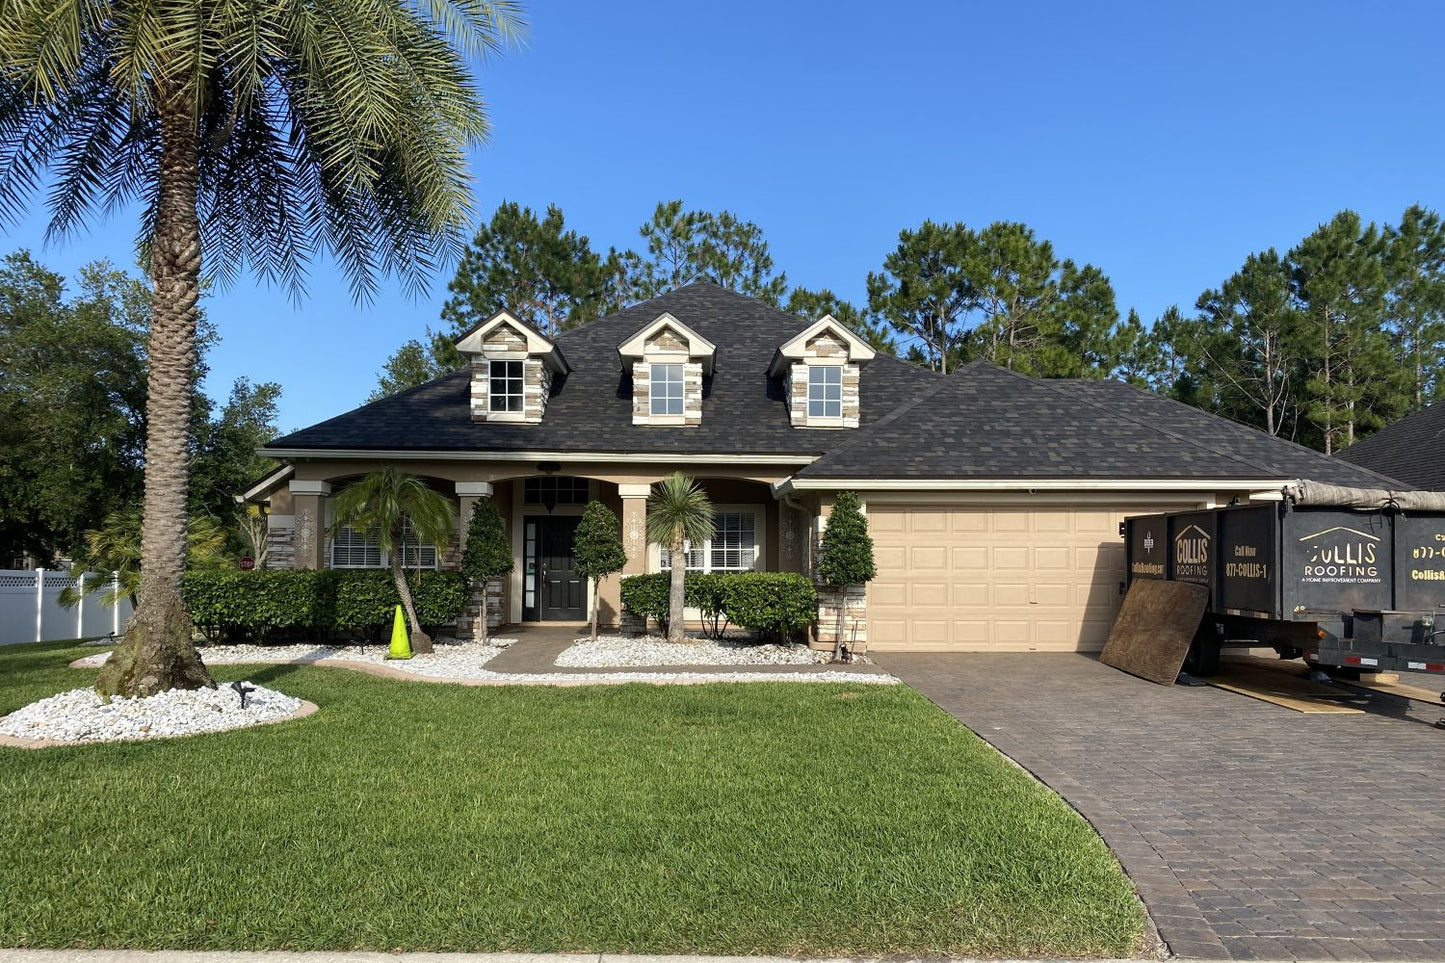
x,y
385,504
256,135
678,511
115,547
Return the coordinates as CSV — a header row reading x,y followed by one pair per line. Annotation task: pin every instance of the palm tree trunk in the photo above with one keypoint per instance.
x,y
676,622
420,641
157,653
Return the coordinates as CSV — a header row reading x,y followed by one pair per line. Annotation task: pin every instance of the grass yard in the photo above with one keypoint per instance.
x,y
728,818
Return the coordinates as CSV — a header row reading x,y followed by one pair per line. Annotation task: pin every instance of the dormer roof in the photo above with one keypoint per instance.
x,y
796,348
474,341
695,346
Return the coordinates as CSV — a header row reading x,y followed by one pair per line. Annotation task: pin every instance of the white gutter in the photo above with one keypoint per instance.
x,y
559,456
1029,485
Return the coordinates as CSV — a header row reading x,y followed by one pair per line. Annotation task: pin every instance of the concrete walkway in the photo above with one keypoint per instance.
x,y
1252,832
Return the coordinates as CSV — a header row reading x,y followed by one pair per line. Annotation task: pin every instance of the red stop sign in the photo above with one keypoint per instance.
x,y
247,563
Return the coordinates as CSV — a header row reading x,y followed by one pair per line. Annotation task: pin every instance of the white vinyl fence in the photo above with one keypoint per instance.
x,y
30,609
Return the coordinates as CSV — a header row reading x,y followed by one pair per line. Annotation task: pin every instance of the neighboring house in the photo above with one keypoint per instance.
x,y
994,499
1412,450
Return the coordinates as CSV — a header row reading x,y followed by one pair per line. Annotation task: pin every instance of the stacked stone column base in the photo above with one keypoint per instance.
x,y
853,601
469,624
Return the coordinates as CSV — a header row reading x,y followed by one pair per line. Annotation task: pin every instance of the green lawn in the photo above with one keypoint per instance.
x,y
764,818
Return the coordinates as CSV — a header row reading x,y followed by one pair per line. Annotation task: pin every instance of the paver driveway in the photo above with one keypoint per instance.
x,y
1252,832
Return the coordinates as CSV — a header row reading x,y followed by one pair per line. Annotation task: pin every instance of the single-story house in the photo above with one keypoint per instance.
x,y
994,499
1412,449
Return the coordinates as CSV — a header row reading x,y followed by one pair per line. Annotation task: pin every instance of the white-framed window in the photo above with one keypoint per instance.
x,y
825,391
506,389
355,549
733,546
665,388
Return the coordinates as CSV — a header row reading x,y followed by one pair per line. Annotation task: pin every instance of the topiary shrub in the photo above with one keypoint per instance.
x,y
646,596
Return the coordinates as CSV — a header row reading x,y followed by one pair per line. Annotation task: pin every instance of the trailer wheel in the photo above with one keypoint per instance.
x,y
1202,659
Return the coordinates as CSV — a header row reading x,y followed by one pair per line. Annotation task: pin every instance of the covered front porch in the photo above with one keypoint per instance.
x,y
540,504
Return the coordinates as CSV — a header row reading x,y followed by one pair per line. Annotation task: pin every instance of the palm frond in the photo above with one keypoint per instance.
x,y
678,504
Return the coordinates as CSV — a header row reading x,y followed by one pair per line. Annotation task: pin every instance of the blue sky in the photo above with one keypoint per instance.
x,y
1162,142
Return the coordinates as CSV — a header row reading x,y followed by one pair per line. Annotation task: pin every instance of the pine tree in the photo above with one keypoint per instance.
x,y
597,550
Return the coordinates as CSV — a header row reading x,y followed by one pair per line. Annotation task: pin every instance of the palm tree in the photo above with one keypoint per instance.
x,y
678,511
385,504
253,134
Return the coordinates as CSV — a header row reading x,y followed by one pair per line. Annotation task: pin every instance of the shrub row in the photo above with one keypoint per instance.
x,y
264,605
773,605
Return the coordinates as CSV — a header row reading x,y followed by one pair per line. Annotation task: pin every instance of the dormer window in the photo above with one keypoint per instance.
x,y
825,391
821,368
668,361
513,367
505,391
665,389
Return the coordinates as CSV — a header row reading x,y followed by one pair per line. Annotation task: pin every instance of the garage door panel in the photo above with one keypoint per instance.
x,y
955,578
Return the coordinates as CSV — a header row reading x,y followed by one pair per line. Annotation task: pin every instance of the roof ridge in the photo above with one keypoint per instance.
x,y
1044,382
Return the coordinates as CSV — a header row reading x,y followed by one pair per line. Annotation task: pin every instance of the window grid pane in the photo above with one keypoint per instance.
x,y
825,391
566,490
413,553
506,389
665,389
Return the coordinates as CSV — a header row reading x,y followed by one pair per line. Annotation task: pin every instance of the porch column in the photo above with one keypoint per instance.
x,y
308,540
634,525
467,495
489,599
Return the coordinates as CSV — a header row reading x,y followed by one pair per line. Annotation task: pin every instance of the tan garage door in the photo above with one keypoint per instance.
x,y
994,579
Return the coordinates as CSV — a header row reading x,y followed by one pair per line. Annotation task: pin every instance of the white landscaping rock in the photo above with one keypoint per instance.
x,y
451,660
621,650
81,716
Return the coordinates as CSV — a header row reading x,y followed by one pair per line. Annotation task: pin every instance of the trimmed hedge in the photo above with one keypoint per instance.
x,y
772,605
262,605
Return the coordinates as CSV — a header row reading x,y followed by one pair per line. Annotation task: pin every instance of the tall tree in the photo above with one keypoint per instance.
x,y
812,305
925,293
416,362
1016,293
684,244
1337,283
72,400
534,267
1414,263
254,135
225,460
1255,352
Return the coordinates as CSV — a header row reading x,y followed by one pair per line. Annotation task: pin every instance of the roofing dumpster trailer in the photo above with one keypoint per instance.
x,y
1348,579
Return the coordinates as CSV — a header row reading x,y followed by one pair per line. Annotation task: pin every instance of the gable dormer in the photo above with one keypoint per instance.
x,y
512,369
820,368
668,361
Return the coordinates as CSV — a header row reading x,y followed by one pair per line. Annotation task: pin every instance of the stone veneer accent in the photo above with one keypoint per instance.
x,y
691,394
508,344
854,602
469,622
797,396
279,551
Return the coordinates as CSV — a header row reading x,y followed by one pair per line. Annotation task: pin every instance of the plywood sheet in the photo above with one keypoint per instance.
x,y
1404,691
1156,624
1282,684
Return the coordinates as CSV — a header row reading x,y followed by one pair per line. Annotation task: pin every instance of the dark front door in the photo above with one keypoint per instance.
x,y
561,593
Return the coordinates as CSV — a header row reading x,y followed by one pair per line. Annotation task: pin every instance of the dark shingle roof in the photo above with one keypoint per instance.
x,y
591,408
981,422
1412,449
984,422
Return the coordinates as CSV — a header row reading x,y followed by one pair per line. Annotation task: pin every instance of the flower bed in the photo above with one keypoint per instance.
x,y
619,650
